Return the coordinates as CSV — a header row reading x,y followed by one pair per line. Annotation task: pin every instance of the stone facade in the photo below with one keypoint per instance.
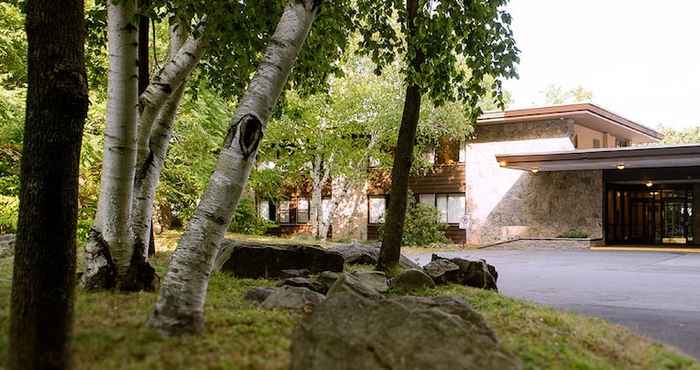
x,y
505,204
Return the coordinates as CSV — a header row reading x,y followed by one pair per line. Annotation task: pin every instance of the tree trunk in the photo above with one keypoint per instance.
x,y
396,212
180,306
108,249
43,278
315,208
142,276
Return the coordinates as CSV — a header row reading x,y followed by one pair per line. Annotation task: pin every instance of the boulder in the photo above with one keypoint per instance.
x,y
350,331
305,283
7,245
374,279
290,297
293,273
477,274
269,261
258,294
327,279
367,255
352,283
412,280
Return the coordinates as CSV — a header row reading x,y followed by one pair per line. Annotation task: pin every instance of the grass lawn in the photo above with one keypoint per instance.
x,y
109,331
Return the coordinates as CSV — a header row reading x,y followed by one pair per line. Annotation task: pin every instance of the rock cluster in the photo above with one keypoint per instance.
x,y
367,255
356,327
477,274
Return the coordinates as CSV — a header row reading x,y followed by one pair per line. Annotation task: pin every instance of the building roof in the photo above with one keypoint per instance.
x,y
586,114
608,158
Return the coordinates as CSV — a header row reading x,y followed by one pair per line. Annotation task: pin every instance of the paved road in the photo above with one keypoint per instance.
x,y
655,294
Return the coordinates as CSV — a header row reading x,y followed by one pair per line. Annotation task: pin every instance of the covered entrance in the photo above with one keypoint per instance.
x,y
651,195
649,214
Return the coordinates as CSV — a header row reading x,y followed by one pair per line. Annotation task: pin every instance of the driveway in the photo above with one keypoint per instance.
x,y
655,294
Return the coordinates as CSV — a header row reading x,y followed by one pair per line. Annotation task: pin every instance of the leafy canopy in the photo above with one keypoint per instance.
x,y
463,43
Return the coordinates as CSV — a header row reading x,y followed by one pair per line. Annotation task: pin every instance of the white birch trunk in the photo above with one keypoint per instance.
x,y
149,168
180,307
111,229
316,206
335,201
165,83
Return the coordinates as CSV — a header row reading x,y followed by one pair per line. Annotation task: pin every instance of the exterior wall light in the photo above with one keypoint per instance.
x,y
621,166
649,184
502,163
535,170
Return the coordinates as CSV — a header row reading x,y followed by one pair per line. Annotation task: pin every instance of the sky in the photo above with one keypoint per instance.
x,y
641,59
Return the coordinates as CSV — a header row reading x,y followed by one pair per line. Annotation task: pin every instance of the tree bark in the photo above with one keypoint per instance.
x,y
180,307
403,158
108,249
142,276
43,279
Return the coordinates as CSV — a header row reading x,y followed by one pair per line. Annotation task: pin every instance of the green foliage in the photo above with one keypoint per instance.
x,y
9,211
197,136
422,226
247,221
689,135
574,233
13,47
555,94
462,43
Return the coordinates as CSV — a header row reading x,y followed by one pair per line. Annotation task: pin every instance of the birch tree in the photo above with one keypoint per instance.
x,y
181,302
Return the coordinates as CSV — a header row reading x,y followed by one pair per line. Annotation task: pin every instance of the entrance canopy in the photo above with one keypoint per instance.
x,y
653,156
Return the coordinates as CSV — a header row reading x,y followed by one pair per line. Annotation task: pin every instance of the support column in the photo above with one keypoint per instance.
x,y
696,214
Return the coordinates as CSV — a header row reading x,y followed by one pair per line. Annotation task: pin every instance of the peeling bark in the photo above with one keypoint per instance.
x,y
112,221
180,308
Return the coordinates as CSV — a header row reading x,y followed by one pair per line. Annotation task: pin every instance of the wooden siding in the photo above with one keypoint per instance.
x,y
442,179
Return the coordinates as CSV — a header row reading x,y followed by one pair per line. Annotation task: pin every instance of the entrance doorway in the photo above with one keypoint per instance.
x,y
660,215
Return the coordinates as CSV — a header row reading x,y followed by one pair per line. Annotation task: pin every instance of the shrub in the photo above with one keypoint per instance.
x,y
247,221
574,233
422,226
9,211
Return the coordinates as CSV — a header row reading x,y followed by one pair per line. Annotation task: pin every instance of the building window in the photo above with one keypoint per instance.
x,y
596,143
429,155
450,206
266,210
620,143
377,206
284,212
302,211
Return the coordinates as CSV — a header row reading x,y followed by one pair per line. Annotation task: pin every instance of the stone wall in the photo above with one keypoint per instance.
x,y
504,204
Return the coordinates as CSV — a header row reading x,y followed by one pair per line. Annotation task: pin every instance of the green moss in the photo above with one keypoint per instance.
x,y
110,332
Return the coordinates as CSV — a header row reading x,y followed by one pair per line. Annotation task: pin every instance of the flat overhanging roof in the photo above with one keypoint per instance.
x,y
603,159
585,114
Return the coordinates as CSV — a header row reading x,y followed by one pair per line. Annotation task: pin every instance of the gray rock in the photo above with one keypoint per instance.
x,y
349,331
412,280
368,255
289,297
292,273
258,294
477,274
375,279
352,283
326,279
251,260
7,245
305,283
442,270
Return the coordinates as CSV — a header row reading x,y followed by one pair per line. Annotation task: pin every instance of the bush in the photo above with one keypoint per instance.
x,y
574,233
247,221
9,211
422,226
